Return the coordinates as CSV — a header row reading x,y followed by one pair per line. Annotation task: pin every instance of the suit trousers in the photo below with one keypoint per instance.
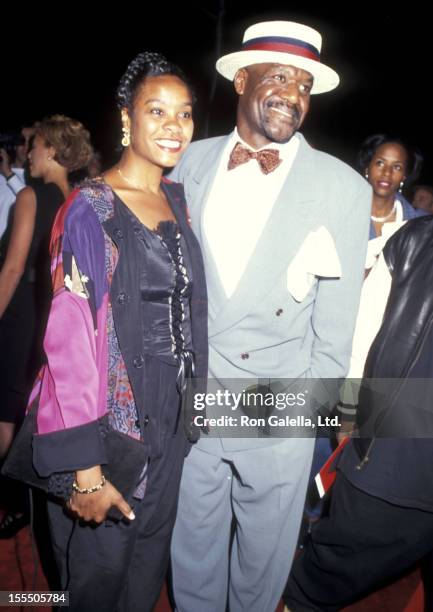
x,y
237,526
121,566
362,543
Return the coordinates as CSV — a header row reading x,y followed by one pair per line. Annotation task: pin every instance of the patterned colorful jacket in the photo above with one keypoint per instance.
x,y
72,388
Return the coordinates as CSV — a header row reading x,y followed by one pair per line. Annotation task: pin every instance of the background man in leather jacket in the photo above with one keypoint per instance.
x,y
381,516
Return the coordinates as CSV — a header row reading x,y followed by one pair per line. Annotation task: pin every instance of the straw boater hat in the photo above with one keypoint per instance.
x,y
281,42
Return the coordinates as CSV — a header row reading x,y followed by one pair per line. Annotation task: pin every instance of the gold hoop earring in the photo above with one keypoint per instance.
x,y
126,140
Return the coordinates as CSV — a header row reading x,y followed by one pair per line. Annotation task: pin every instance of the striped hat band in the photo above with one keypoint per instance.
x,y
282,44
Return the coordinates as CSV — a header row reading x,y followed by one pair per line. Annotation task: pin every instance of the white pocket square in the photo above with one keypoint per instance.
x,y
317,257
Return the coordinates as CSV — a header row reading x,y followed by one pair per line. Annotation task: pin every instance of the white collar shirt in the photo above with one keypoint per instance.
x,y
238,207
8,193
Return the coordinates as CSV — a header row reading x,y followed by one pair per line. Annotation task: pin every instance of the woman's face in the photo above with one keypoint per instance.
x,y
39,157
387,169
161,124
23,150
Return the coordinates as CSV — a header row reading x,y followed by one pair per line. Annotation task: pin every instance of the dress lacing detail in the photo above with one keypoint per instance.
x,y
168,232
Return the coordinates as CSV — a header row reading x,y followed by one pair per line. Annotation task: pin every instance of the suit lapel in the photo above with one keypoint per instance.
x,y
292,216
203,179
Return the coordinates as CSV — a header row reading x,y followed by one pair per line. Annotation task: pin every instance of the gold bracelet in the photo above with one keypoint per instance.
x,y
93,489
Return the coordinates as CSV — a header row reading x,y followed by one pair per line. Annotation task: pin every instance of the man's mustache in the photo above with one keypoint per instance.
x,y
292,109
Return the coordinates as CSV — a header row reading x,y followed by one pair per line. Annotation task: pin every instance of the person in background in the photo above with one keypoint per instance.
x,y
60,145
423,198
12,178
389,165
94,167
380,521
92,170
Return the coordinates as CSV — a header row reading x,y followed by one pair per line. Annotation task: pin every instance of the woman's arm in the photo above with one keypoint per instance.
x,y
19,246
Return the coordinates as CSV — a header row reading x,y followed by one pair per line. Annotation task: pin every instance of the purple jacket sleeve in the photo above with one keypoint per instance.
x,y
74,381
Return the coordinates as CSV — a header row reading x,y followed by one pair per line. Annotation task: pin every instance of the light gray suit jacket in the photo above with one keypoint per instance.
x,y
310,338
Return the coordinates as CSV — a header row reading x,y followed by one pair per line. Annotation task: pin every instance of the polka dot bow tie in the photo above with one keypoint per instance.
x,y
268,159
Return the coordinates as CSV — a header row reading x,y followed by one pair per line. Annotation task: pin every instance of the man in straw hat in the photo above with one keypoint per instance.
x,y
283,230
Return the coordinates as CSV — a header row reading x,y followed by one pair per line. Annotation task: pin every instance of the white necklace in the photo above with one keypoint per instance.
x,y
133,184
386,217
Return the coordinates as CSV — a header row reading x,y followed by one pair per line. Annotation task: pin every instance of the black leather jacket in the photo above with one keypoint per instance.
x,y
393,456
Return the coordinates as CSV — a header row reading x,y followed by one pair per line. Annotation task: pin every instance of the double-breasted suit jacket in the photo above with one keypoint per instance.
x,y
293,312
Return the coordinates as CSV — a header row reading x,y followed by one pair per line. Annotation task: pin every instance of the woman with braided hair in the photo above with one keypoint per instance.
x,y
126,329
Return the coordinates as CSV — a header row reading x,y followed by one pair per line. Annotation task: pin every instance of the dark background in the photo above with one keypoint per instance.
x,y
67,58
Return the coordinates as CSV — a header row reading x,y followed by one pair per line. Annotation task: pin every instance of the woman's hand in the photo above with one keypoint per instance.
x,y
345,431
95,506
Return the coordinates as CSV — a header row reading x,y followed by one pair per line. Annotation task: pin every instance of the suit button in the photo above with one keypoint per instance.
x,y
245,356
146,420
118,233
279,312
138,361
122,298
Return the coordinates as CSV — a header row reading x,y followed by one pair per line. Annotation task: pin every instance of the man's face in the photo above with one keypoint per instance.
x,y
23,150
273,102
423,199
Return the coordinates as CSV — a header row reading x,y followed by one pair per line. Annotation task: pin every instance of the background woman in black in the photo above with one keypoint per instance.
x,y
60,145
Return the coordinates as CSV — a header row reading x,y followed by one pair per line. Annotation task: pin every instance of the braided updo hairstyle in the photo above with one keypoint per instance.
x,y
146,64
69,138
